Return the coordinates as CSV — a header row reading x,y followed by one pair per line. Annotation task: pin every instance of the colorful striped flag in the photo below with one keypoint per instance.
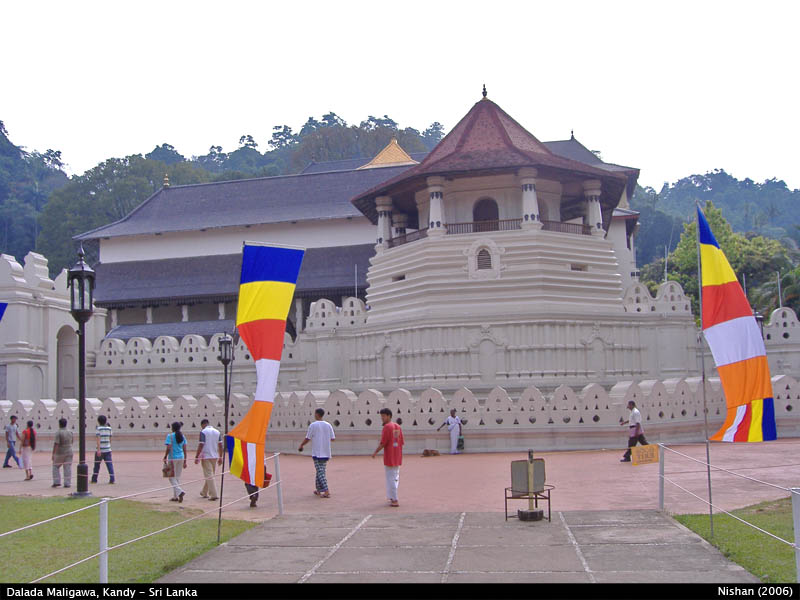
x,y
735,341
269,276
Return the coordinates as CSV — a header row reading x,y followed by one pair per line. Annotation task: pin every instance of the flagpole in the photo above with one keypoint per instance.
x,y
703,370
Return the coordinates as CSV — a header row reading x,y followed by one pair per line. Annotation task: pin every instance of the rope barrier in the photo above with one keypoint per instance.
x,y
147,535
726,470
722,510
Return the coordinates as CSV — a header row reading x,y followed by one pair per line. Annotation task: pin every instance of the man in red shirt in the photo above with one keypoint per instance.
x,y
392,446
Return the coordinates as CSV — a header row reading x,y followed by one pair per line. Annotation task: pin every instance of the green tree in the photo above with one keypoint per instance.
x,y
282,137
756,257
166,153
100,196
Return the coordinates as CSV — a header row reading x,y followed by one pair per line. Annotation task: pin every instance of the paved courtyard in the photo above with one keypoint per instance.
x,y
450,526
577,547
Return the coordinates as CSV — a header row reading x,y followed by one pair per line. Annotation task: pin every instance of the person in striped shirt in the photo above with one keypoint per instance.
x,y
103,436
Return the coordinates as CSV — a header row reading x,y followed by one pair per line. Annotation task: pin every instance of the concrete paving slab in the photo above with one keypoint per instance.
x,y
363,577
398,558
516,558
691,556
258,558
655,533
315,521
286,536
732,574
519,577
211,576
516,534
379,537
423,521
613,517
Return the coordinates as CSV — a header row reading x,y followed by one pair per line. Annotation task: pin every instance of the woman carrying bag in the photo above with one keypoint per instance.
x,y
175,453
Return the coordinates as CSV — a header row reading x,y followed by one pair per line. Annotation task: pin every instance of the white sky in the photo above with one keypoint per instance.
x,y
672,88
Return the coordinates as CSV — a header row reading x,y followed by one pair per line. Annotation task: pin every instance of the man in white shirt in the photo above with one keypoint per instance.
x,y
635,430
320,434
453,423
209,454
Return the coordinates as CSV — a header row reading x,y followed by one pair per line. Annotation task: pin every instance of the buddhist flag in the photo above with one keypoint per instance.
x,y
735,341
269,276
3,306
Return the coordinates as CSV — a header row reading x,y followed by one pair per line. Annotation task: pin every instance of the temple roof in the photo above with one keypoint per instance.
x,y
215,278
316,196
487,140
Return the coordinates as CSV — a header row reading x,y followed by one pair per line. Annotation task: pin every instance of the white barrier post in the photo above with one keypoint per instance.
x,y
661,478
279,491
796,523
103,540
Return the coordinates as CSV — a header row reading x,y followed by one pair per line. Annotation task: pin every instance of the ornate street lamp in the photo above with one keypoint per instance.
x,y
80,280
225,357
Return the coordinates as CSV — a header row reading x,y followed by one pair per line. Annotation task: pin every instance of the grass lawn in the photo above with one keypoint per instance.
x,y
35,552
763,556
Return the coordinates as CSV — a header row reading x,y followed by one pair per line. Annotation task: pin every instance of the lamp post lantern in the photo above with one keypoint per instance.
x,y
225,357
80,280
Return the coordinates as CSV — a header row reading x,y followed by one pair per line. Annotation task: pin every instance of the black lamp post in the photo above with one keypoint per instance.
x,y
81,288
225,357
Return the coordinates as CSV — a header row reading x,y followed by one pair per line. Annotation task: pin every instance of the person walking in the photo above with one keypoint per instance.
x,y
635,430
209,454
176,453
320,434
453,423
102,434
62,454
28,446
12,437
252,490
392,446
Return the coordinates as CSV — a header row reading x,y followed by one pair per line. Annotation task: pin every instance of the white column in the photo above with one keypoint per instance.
x,y
399,223
593,216
436,222
149,312
530,203
221,310
298,315
114,318
383,204
184,312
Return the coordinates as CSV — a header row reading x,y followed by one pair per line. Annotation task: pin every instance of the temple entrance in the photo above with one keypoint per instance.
x,y
485,215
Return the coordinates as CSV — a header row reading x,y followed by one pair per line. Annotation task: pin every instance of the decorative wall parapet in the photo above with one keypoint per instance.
x,y
672,410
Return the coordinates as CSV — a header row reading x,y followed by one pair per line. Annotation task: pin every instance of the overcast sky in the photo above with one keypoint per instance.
x,y
672,88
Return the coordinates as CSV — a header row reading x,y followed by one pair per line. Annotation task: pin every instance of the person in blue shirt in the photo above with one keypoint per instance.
x,y
176,454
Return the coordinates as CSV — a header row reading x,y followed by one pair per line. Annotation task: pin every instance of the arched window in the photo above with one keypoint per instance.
x,y
484,259
485,215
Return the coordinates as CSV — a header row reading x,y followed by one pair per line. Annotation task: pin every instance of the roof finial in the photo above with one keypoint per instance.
x,y
166,180
572,134
484,90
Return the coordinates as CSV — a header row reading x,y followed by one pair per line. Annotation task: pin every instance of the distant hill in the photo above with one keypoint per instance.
x,y
769,209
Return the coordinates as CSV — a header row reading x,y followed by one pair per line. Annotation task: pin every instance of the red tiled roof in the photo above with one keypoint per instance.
x,y
486,139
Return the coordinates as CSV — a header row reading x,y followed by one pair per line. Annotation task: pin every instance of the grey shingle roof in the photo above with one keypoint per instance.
x,y
216,278
247,202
